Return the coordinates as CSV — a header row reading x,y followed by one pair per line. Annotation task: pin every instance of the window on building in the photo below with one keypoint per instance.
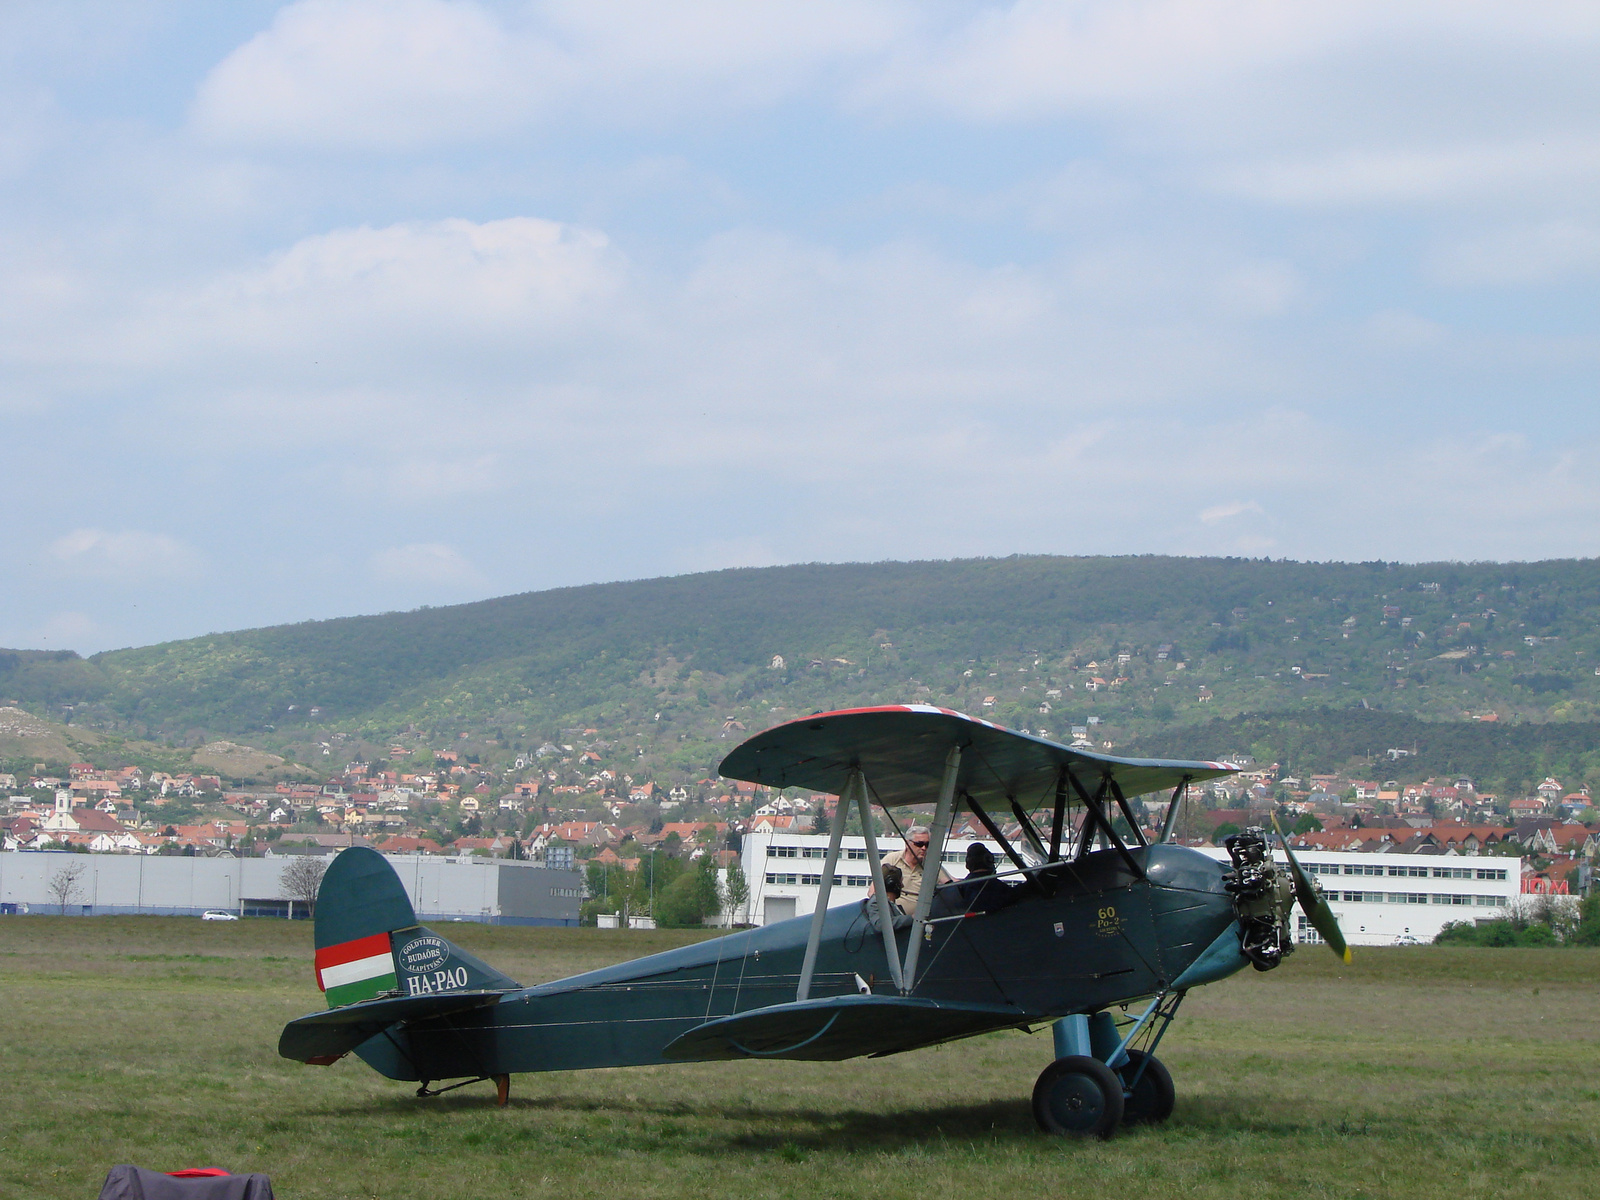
x,y
1446,898
1408,897
1490,873
1363,869
1489,901
1409,872
1452,872
782,852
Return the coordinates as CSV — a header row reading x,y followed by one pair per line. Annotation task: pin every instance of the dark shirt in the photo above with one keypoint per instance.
x,y
985,893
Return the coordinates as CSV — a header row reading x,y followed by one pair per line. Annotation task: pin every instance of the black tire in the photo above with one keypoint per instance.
x,y
1153,1096
1078,1096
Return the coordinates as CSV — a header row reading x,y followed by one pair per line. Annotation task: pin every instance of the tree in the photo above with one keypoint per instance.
x,y
1307,824
735,891
63,886
302,880
1587,932
690,898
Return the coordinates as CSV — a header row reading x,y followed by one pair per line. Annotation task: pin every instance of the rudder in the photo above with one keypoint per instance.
x,y
369,944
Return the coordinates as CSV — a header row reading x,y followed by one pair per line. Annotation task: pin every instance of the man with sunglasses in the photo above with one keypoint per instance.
x,y
909,860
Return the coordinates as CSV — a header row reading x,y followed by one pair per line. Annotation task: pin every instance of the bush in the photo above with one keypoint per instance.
x,y
1497,933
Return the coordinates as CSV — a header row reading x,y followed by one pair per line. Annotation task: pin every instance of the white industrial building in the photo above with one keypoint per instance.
x,y
1385,899
491,891
1380,899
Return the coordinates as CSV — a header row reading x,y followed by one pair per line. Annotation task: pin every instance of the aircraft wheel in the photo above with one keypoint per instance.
x,y
1078,1096
1153,1096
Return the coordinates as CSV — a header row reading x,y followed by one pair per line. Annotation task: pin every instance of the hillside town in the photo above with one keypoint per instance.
x,y
560,805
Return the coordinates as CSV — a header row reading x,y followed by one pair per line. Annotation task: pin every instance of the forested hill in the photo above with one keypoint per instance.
x,y
665,664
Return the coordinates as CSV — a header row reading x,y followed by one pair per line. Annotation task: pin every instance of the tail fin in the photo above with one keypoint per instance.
x,y
369,945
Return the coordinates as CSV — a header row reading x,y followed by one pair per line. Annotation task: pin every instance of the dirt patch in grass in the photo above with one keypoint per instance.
x,y
1446,1073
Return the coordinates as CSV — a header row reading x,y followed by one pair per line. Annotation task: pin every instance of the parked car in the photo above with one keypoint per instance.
x,y
218,914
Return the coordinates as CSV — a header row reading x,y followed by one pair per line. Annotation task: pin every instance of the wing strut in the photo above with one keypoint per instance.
x,y
943,813
809,965
993,831
1179,795
1092,803
1058,817
891,948
1127,812
1089,829
1029,833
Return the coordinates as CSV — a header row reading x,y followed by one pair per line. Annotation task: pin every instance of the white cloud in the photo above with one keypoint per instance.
x,y
1399,329
373,73
353,308
1031,59
1232,508
1426,175
391,74
421,480
1036,58
1260,289
426,564
129,556
1521,256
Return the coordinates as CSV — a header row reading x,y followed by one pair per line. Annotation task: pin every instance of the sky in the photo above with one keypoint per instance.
x,y
348,306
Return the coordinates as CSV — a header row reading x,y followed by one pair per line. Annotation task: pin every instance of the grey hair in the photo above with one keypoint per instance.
x,y
916,829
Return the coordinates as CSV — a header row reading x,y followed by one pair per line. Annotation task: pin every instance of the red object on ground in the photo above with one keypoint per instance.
x,y
197,1172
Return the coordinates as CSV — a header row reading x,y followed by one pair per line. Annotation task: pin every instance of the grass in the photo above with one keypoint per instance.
x,y
1428,1072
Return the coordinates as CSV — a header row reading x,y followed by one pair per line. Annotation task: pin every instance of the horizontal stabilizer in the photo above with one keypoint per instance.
x,y
839,1027
336,1031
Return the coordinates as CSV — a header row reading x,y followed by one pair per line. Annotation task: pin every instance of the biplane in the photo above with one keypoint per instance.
x,y
1105,930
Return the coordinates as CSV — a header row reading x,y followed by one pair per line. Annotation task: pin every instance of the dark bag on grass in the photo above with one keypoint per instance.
x,y
136,1183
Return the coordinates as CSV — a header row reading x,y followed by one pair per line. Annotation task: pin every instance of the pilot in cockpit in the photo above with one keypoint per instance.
x,y
981,891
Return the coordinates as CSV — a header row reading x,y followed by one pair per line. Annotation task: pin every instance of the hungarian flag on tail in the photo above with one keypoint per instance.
x,y
357,970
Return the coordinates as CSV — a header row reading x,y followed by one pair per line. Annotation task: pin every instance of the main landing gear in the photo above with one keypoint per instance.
x,y
1081,1095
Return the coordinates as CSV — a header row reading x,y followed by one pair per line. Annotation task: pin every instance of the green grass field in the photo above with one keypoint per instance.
x,y
1421,1072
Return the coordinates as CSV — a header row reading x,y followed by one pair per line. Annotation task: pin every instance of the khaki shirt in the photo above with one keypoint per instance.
x,y
910,879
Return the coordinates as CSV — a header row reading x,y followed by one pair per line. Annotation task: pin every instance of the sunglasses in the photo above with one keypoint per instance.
x,y
920,845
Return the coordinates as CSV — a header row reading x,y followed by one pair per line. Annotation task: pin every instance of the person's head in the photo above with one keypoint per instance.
x,y
917,842
893,882
980,859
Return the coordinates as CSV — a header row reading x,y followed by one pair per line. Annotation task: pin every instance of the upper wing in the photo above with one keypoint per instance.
x,y
901,749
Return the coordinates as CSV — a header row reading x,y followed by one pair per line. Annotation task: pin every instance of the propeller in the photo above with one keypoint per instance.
x,y
1312,901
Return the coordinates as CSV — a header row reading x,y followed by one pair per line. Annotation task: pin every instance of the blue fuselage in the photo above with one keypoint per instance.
x,y
1091,934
